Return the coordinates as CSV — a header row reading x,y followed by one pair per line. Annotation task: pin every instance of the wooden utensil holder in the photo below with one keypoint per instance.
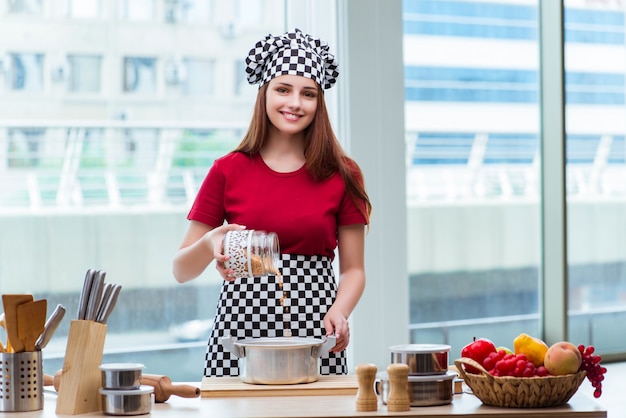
x,y
81,378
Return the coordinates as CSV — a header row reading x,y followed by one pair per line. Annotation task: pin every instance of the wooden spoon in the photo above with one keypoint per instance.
x,y
11,302
31,319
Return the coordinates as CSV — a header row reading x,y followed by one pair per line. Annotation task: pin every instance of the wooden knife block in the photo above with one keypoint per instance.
x,y
81,378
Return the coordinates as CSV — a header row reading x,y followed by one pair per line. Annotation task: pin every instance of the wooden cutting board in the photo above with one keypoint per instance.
x,y
233,387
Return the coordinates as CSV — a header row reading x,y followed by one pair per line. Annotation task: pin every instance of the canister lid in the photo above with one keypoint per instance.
x,y
139,391
121,367
420,348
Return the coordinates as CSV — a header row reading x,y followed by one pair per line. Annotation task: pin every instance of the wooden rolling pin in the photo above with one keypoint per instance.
x,y
163,386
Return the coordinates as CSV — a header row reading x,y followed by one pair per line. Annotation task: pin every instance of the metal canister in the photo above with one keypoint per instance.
x,y
422,359
21,382
252,253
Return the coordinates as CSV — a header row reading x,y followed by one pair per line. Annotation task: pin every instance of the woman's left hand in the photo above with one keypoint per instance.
x,y
336,323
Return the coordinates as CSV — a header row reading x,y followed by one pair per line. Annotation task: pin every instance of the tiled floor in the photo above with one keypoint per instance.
x,y
613,390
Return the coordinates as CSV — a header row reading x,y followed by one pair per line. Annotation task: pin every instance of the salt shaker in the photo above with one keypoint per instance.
x,y
398,395
366,399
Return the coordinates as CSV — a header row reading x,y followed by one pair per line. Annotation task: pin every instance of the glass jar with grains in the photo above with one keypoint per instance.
x,y
252,253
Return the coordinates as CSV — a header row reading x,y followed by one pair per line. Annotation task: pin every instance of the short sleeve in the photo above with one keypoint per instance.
x,y
208,206
351,211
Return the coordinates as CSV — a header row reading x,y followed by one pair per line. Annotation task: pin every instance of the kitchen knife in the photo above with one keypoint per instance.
x,y
110,303
51,325
95,296
106,295
84,295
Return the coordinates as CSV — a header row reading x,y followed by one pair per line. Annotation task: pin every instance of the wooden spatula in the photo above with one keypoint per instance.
x,y
31,319
10,303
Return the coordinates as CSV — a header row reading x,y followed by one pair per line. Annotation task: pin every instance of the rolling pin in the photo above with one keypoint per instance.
x,y
163,386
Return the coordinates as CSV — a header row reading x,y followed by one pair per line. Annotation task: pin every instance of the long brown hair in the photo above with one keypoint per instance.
x,y
322,151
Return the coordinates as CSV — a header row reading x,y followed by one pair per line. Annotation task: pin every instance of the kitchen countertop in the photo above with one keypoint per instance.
x,y
463,405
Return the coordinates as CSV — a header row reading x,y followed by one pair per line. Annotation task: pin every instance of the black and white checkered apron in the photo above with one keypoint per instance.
x,y
250,308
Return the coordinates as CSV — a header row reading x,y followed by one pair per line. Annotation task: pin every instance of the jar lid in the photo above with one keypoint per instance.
x,y
449,375
139,391
121,366
420,348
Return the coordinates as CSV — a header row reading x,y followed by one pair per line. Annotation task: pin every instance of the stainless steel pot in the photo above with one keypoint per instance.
x,y
430,390
422,359
280,360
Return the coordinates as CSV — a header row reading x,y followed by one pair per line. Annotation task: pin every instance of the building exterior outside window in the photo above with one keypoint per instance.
x,y
138,10
83,9
24,6
199,77
85,73
140,75
25,72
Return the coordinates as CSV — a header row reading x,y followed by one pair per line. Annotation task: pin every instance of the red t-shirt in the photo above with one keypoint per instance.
x,y
303,212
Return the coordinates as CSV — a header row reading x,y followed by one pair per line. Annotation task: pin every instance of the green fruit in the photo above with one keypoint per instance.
x,y
506,350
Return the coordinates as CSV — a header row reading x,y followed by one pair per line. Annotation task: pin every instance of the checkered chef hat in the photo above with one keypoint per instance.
x,y
292,53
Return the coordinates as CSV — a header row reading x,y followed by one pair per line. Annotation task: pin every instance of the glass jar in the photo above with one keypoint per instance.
x,y
252,253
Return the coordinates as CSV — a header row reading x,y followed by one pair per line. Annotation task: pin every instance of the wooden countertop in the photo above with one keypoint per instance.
x,y
463,405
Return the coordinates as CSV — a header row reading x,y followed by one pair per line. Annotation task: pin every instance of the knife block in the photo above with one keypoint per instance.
x,y
81,378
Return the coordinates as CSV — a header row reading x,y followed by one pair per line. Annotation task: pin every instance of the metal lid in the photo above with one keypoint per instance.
x,y
121,366
278,342
449,375
419,348
138,391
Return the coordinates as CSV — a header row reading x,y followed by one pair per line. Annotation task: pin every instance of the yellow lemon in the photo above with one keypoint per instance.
x,y
533,348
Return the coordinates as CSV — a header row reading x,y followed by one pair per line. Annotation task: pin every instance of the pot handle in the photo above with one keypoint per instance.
x,y
330,342
228,342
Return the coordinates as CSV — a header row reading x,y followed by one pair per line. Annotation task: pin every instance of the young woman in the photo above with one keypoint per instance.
x,y
290,176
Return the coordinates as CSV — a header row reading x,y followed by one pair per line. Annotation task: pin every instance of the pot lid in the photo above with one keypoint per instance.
x,y
278,342
419,348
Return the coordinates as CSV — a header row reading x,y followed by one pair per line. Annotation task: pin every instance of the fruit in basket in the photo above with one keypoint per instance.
x,y
595,371
478,350
534,348
501,363
506,350
562,358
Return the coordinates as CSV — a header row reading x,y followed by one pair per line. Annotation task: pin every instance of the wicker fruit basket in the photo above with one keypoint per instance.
x,y
519,392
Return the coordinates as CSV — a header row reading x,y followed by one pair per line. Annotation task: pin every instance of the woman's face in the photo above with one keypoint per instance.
x,y
291,103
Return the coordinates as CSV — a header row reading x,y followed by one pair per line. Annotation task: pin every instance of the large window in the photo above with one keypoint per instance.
x,y
96,173
595,168
473,170
472,91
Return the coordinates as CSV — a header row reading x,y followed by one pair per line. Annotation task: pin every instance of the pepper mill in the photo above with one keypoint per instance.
x,y
398,395
366,399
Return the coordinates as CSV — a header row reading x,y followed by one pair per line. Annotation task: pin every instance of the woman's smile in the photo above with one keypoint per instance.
x,y
291,116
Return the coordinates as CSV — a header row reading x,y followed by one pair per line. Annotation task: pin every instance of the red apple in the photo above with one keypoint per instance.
x,y
478,350
562,358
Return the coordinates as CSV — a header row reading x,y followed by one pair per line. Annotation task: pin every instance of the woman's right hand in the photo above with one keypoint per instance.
x,y
215,239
